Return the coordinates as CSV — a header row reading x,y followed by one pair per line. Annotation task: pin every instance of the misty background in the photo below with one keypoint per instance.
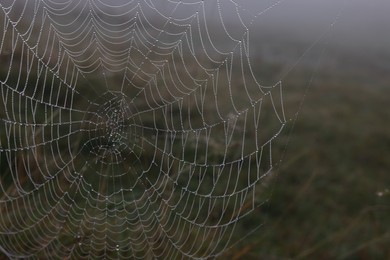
x,y
331,198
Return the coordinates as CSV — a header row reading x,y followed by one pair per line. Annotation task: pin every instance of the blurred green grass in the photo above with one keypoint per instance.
x,y
330,199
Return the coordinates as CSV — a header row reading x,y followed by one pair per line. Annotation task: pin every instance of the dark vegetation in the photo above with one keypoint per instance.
x,y
331,199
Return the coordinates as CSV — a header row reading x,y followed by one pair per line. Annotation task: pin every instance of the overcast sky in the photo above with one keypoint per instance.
x,y
360,22
364,22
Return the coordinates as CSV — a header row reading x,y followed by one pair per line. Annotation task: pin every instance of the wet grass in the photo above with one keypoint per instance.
x,y
330,200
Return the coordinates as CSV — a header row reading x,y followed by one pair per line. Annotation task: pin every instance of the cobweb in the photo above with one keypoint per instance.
x,y
131,129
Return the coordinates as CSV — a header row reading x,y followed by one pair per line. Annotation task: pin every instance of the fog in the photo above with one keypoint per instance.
x,y
361,28
358,22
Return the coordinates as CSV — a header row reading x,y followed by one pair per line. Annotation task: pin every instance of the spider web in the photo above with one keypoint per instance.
x,y
131,129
